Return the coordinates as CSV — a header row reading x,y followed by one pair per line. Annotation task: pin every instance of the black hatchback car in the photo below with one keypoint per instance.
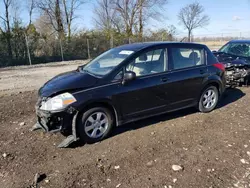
x,y
129,83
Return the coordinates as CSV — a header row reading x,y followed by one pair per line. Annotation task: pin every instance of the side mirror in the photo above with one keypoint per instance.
x,y
80,67
128,76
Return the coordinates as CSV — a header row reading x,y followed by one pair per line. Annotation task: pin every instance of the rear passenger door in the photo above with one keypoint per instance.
x,y
188,70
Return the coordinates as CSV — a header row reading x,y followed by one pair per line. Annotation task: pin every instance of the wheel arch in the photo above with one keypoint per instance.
x,y
101,103
213,81
216,84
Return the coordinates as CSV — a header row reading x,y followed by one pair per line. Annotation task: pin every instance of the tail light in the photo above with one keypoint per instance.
x,y
220,66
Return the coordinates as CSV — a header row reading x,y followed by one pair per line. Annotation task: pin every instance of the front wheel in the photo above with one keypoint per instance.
x,y
209,99
95,124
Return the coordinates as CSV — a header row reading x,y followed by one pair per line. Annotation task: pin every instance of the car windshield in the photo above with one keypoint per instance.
x,y
106,62
237,49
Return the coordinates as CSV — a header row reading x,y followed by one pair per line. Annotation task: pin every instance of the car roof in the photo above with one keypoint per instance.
x,y
140,46
240,41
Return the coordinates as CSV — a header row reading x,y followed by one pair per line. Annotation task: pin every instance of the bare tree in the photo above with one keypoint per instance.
x,y
128,10
30,6
149,9
192,17
61,14
106,16
135,13
70,6
6,19
59,19
107,19
52,9
15,12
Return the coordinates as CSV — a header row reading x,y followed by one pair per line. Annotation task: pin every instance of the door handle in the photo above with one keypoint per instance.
x,y
164,79
202,71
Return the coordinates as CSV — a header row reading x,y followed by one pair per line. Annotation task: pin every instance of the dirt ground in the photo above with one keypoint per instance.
x,y
212,149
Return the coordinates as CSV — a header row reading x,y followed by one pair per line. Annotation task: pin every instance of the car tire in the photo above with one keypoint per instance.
x,y
208,99
95,124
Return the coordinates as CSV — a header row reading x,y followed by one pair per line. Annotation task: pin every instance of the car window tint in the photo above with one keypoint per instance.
x,y
186,57
149,63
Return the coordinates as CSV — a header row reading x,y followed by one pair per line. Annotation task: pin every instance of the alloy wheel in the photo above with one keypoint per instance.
x,y
209,99
96,124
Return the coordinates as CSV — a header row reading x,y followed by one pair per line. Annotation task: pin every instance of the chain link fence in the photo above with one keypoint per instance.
x,y
89,45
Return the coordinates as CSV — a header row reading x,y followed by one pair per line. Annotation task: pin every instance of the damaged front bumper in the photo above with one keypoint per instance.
x,y
237,77
59,121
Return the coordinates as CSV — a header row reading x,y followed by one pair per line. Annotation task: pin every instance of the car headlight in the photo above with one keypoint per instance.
x,y
58,102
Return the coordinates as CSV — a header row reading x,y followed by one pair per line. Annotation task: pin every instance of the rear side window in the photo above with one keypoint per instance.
x,y
211,59
187,57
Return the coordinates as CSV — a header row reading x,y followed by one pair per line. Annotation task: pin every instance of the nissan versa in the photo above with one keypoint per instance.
x,y
129,83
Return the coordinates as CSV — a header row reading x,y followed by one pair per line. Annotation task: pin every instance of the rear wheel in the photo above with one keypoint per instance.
x,y
95,124
209,99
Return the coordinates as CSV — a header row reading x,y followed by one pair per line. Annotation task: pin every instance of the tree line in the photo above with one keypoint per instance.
x,y
52,36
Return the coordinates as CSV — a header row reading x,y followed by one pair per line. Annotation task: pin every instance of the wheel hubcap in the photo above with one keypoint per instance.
x,y
96,125
209,98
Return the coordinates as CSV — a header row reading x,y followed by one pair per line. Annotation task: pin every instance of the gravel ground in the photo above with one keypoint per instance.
x,y
28,78
181,149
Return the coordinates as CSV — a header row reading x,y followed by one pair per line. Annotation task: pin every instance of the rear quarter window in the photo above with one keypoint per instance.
x,y
211,59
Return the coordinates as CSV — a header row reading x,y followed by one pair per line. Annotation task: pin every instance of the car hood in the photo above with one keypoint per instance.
x,y
232,60
69,81
225,57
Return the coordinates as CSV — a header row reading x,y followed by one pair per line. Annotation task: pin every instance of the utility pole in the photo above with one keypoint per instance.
x,y
221,38
88,49
27,46
112,40
61,49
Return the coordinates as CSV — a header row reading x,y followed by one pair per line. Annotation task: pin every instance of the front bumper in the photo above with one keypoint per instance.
x,y
63,121
60,121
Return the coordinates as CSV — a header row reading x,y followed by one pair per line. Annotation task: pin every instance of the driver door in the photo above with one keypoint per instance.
x,y
144,95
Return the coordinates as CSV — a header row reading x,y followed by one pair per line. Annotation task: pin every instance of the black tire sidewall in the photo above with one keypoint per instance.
x,y
201,107
84,116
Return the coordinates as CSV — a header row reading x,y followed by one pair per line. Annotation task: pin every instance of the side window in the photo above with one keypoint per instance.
x,y
187,57
150,62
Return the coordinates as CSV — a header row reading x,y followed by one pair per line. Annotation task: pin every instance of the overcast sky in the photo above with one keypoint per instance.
x,y
227,16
